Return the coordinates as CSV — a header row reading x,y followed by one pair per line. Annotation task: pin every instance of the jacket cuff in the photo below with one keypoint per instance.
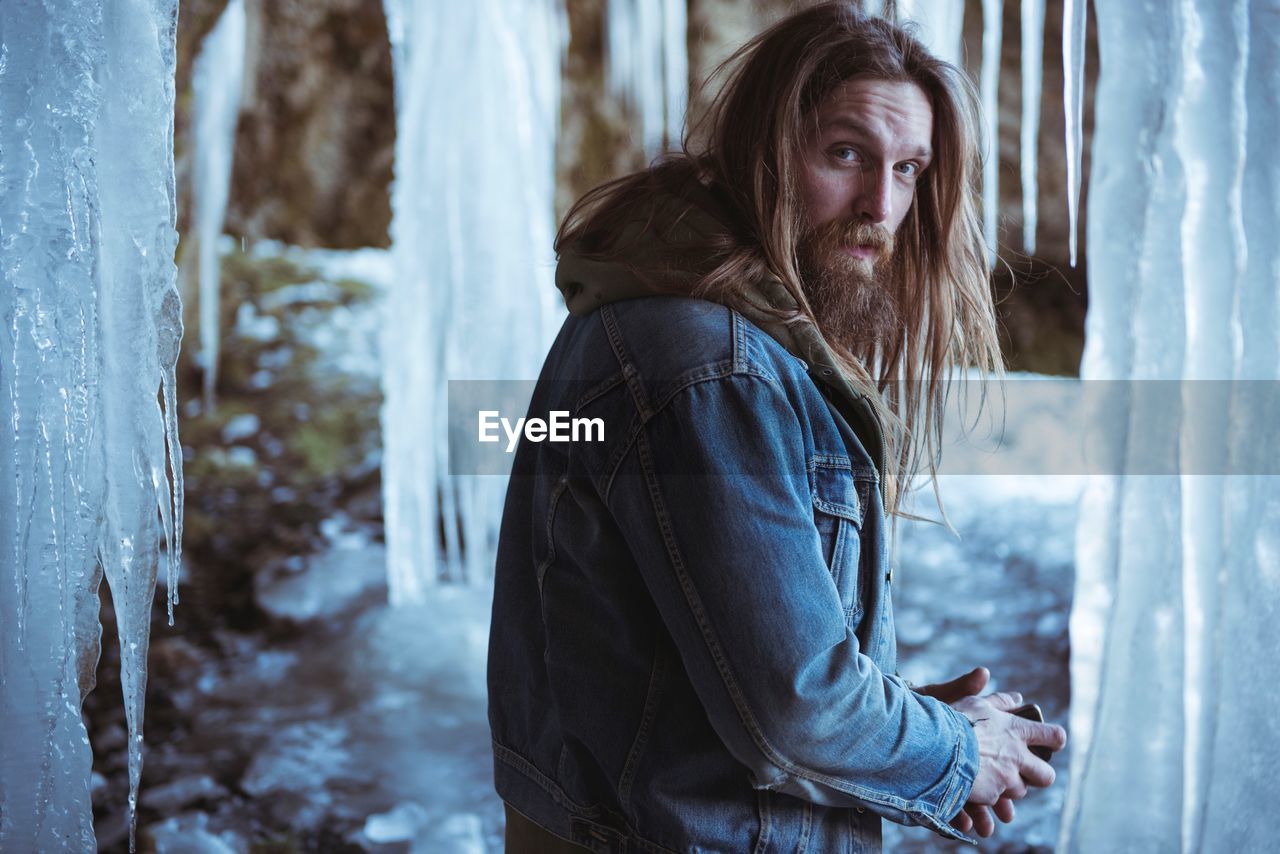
x,y
952,792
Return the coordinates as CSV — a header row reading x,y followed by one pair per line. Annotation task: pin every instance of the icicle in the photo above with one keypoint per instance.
x,y
1032,77
86,145
647,66
941,26
142,329
472,247
216,83
1073,42
992,34
675,68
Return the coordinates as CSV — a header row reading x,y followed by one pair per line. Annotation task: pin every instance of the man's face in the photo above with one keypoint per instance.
x,y
859,167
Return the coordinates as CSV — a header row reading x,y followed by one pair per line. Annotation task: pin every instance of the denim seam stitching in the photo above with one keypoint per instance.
x,y
597,391
551,521
766,820
853,613
638,425
653,694
529,770
806,827
629,372
835,463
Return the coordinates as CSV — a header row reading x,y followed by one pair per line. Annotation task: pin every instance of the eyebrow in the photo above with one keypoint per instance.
x,y
861,130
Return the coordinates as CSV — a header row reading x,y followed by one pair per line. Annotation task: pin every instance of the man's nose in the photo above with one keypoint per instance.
x,y
874,198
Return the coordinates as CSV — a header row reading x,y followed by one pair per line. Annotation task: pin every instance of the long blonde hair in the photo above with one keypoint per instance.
x,y
749,155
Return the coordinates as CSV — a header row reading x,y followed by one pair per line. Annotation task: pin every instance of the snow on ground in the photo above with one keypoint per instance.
x,y
375,720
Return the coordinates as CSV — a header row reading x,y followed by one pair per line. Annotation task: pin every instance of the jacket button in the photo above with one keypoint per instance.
x,y
862,809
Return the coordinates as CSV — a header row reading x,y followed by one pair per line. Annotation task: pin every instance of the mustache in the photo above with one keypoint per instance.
x,y
857,233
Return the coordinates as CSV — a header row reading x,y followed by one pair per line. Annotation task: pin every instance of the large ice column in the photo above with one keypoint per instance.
x,y
216,83
93,323
477,102
647,66
1175,622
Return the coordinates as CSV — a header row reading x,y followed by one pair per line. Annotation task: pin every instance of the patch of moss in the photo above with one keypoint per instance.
x,y
288,441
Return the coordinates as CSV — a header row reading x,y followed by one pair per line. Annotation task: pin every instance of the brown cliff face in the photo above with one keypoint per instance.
x,y
316,139
316,135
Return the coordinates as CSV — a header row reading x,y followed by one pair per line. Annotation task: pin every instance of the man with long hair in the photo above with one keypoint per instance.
x,y
692,645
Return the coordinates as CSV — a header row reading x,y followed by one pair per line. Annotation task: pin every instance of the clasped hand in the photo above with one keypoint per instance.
x,y
1006,766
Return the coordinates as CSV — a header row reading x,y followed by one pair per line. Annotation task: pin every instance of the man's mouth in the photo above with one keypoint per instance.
x,y
863,251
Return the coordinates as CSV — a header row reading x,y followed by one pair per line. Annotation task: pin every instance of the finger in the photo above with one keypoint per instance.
x,y
1051,736
962,822
1016,791
983,824
1006,701
1035,771
1003,810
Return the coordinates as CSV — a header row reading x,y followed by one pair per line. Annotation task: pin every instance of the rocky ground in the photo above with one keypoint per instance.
x,y
350,726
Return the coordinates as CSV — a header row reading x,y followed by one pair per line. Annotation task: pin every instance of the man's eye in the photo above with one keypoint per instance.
x,y
845,153
909,169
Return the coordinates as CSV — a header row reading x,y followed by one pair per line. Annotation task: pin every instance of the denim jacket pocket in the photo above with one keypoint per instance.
x,y
838,501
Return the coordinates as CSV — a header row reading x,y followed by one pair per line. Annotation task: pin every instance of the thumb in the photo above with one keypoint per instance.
x,y
972,682
968,685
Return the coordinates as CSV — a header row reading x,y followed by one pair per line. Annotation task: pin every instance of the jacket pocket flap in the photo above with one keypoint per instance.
x,y
835,491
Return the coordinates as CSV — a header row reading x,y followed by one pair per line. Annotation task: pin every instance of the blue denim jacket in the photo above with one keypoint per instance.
x,y
692,639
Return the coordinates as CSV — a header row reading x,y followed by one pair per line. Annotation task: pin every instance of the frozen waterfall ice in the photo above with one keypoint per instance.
x,y
93,325
477,103
216,83
647,66
1174,626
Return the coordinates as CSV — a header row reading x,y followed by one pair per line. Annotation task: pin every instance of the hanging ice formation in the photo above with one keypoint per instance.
x,y
1074,20
647,66
992,35
1032,84
1175,624
477,104
941,24
93,324
216,84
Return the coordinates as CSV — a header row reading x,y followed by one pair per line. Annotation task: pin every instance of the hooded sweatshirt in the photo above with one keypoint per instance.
x,y
666,245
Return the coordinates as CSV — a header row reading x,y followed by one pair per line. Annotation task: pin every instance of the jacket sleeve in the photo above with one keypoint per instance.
x,y
715,503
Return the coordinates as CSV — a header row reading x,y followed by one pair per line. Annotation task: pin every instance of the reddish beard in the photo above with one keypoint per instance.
x,y
853,299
